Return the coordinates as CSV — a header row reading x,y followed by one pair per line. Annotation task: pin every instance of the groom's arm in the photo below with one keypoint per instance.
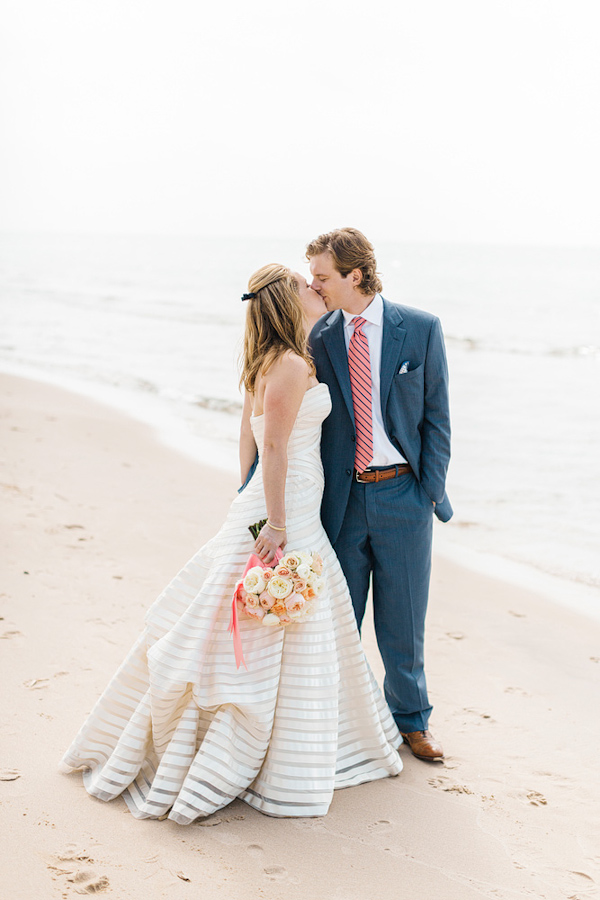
x,y
435,431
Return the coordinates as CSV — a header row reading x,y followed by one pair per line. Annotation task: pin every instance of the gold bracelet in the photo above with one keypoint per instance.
x,y
275,527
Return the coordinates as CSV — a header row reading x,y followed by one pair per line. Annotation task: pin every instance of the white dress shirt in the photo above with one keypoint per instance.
x,y
384,452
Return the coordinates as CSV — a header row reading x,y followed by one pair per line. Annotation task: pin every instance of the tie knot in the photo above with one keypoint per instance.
x,y
358,323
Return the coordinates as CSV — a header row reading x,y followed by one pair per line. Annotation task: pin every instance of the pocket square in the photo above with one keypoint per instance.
x,y
404,367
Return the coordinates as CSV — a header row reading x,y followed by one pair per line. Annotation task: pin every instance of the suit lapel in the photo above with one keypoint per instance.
x,y
391,349
333,340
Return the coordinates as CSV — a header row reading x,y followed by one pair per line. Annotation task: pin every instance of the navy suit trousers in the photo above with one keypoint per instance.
x,y
387,530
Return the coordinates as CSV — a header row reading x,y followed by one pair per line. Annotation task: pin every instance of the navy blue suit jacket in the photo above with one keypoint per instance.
x,y
414,405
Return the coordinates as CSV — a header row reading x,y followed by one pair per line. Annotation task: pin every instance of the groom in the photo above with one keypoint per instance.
x,y
385,450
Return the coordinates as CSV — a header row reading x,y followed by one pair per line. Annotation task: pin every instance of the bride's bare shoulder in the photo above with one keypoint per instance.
x,y
290,365
285,381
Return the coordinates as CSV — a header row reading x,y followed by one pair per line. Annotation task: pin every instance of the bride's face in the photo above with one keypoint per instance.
x,y
312,303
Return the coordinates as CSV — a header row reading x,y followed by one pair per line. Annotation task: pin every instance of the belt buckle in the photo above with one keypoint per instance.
x,y
358,478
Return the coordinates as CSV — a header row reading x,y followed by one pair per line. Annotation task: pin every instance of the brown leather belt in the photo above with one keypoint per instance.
x,y
374,475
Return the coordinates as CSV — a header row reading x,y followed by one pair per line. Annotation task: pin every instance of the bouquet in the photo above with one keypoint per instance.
x,y
281,594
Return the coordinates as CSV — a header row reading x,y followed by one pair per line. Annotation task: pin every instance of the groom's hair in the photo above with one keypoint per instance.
x,y
349,250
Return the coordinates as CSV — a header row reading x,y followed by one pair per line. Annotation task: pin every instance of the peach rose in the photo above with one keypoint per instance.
x,y
279,607
285,620
291,561
265,600
317,563
284,571
255,613
295,603
268,573
252,601
299,583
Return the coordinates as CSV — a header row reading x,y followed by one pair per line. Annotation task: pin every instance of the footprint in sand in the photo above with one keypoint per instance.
x,y
458,789
477,712
226,837
210,822
516,690
90,883
276,873
74,853
255,850
74,872
536,799
384,826
9,774
444,784
583,875
36,684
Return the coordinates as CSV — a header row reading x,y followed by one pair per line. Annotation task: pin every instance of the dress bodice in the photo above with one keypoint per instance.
x,y
304,444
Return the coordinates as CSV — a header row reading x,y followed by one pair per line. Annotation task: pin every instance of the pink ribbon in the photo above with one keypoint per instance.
x,y
234,625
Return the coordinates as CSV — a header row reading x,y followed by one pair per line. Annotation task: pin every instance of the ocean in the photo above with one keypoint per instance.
x,y
153,326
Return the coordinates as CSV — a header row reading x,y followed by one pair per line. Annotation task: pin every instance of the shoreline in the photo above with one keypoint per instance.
x,y
173,432
97,517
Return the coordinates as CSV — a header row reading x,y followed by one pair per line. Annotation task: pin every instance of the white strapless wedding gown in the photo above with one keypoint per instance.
x,y
181,730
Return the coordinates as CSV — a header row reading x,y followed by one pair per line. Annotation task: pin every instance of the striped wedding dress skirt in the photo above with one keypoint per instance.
x,y
180,730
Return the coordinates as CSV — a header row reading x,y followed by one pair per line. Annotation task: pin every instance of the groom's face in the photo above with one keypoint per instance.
x,y
336,290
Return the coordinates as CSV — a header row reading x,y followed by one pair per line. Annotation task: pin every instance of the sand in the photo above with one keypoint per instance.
x,y
97,516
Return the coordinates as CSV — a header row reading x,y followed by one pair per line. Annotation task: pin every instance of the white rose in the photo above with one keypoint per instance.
x,y
305,557
254,581
280,587
270,619
303,571
316,583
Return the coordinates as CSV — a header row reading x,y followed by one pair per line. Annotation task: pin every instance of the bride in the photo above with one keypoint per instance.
x,y
180,730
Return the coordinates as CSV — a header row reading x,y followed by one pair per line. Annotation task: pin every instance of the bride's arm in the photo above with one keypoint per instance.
x,y
247,443
285,385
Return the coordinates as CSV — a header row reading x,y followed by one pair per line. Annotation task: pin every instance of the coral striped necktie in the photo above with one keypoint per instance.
x,y
359,364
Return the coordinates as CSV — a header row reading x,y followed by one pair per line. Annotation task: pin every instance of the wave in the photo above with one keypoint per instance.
x,y
482,345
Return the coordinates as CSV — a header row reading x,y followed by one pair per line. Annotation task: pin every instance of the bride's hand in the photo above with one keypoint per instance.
x,y
267,542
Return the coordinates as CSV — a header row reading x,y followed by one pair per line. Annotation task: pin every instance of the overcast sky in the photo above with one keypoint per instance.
x,y
444,120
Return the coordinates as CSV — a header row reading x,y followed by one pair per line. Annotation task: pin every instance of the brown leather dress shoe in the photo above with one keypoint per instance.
x,y
424,745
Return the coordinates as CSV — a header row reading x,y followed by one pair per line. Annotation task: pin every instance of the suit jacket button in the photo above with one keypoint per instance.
x,y
353,438
348,471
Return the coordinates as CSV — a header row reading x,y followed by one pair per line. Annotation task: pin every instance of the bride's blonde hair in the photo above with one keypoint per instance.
x,y
274,323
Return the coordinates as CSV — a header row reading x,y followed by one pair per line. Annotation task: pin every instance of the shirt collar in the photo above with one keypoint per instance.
x,y
373,313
